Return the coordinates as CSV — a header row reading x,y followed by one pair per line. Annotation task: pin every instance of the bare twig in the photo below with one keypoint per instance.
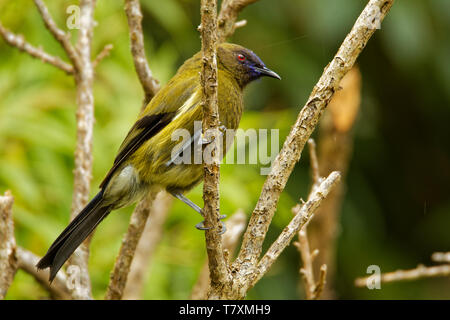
x,y
150,86
413,274
150,239
218,266
84,77
8,260
304,126
102,55
312,289
148,82
235,227
314,162
58,289
229,12
335,141
442,257
20,43
62,37
119,274
321,283
302,216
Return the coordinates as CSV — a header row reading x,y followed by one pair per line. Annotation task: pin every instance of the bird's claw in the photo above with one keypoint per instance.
x,y
201,225
204,140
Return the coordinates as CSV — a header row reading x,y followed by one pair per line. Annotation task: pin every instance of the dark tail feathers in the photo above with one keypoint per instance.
x,y
74,234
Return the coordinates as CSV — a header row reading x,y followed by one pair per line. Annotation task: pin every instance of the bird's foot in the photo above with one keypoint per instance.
x,y
204,140
201,225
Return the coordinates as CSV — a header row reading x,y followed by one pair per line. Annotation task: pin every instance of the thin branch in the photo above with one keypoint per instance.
x,y
102,55
84,77
306,122
235,227
302,216
321,283
119,274
139,217
312,289
314,162
58,289
8,260
402,275
20,43
218,265
335,145
442,257
229,12
306,271
148,82
62,37
147,245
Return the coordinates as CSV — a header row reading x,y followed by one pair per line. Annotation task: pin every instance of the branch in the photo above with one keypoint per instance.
x,y
312,289
443,257
151,237
150,85
102,55
62,37
84,77
218,266
302,216
134,15
413,274
235,227
119,274
335,140
20,43
8,260
58,288
306,122
229,12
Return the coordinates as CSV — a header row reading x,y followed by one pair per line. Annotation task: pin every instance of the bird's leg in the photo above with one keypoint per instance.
x,y
200,225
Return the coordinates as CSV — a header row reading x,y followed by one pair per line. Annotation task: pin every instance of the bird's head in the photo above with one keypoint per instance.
x,y
242,63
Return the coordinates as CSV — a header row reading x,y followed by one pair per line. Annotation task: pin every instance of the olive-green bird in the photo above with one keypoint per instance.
x,y
147,158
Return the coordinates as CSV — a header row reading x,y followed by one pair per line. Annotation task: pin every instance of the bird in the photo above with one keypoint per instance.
x,y
149,157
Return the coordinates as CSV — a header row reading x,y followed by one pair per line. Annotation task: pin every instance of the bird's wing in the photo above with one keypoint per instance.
x,y
173,100
194,140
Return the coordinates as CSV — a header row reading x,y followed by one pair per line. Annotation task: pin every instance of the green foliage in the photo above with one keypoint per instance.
x,y
396,210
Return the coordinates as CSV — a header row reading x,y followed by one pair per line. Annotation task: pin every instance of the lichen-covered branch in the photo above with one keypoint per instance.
x,y
235,227
151,237
8,260
218,266
134,17
306,122
58,289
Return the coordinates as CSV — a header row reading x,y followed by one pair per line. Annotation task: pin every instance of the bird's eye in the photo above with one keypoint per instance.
x,y
241,57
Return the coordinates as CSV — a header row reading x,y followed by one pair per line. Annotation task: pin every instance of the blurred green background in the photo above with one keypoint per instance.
x,y
397,209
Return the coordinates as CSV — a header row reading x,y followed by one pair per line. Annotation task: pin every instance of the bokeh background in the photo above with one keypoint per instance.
x,y
397,208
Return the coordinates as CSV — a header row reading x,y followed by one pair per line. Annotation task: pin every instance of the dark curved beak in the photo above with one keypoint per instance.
x,y
267,72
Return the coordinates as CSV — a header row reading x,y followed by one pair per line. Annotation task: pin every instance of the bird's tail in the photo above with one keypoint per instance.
x,y
74,234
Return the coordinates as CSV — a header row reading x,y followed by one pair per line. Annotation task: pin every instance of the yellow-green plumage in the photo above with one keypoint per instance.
x,y
144,157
